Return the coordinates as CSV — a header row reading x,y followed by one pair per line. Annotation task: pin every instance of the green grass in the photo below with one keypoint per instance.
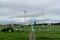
x,y
14,36
42,33
47,32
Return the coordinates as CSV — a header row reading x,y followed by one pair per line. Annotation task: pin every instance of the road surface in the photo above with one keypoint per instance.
x,y
32,36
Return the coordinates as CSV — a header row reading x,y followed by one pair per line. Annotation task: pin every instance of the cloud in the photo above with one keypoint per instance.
x,y
13,10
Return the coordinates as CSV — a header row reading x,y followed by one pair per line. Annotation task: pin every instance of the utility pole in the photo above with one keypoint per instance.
x,y
42,17
25,16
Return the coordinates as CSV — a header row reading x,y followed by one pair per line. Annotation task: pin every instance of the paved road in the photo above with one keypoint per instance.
x,y
32,36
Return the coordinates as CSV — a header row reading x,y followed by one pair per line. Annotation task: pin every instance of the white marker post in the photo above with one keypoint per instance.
x,y
32,28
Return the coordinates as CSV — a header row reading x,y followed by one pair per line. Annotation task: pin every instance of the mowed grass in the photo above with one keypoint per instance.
x,y
23,35
14,36
51,32
47,32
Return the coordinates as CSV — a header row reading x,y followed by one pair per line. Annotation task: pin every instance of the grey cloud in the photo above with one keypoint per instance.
x,y
16,8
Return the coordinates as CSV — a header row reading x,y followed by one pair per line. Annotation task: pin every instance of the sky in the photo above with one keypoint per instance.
x,y
12,11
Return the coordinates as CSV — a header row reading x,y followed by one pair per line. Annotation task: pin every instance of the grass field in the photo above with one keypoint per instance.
x,y
48,33
14,36
42,33
23,35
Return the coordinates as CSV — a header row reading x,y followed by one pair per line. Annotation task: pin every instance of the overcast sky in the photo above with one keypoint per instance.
x,y
12,11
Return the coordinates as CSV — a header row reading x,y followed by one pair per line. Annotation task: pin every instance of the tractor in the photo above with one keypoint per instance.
x,y
8,29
